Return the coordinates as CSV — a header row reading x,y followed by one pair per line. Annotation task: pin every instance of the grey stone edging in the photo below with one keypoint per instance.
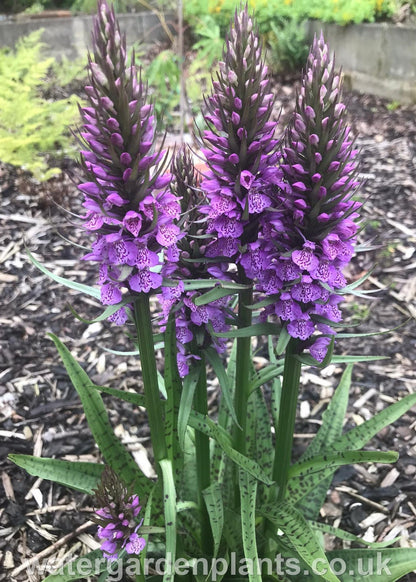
x,y
70,36
379,58
376,58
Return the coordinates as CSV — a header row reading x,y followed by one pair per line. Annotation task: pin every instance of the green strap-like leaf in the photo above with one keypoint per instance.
x,y
173,386
207,426
186,398
132,397
80,476
360,435
226,391
316,464
213,295
382,565
86,289
91,564
259,443
288,519
147,521
213,501
332,418
330,430
110,310
113,451
344,535
268,374
304,477
169,503
220,463
248,490
309,361
265,328
282,341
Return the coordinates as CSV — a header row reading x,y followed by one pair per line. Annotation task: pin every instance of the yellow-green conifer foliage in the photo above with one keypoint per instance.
x,y
33,130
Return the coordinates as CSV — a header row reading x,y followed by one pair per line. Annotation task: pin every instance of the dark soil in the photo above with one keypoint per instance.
x,y
39,410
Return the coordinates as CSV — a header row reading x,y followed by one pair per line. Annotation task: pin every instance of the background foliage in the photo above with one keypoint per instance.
x,y
33,129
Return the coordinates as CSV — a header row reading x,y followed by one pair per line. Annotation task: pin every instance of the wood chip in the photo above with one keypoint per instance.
x,y
390,478
7,486
363,399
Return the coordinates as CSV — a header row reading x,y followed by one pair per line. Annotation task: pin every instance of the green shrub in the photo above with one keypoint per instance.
x,y
33,130
90,6
163,77
14,6
268,11
287,45
209,50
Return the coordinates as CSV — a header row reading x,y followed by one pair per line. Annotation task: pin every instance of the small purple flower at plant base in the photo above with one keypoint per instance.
x,y
240,149
193,323
117,517
319,227
126,197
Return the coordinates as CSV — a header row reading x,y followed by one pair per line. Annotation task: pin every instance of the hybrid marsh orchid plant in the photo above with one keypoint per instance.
x,y
255,245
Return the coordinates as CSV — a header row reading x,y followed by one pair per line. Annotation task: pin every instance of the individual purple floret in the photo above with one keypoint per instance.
x,y
315,240
193,323
243,178
126,197
117,517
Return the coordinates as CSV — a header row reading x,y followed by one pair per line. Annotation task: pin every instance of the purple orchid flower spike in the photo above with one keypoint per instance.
x,y
193,323
319,164
126,197
117,517
242,178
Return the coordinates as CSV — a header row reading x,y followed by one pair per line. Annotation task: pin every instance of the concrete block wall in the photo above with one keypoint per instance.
x,y
71,35
379,58
376,58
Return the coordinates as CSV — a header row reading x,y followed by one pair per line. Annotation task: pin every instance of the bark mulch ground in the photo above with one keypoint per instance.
x,y
40,413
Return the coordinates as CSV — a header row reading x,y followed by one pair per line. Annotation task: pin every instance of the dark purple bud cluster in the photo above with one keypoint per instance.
x,y
126,196
117,517
193,323
243,177
300,256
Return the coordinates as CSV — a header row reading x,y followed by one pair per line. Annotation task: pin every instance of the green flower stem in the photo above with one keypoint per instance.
x,y
243,370
287,416
149,371
203,459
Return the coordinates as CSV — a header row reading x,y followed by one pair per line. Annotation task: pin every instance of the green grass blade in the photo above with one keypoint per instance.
x,y
76,475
